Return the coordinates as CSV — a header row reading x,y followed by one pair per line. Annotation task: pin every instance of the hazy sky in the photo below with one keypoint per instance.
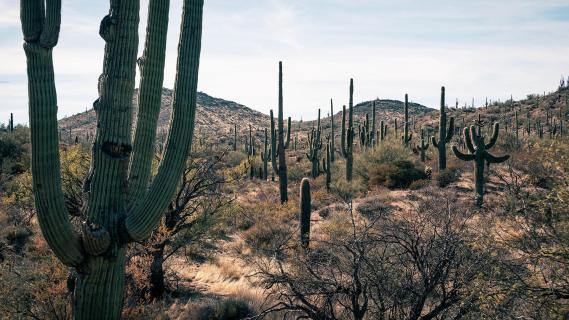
x,y
475,48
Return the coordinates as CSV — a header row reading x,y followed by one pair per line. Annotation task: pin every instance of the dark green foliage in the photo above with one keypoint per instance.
x,y
446,177
445,134
477,147
397,175
305,211
348,134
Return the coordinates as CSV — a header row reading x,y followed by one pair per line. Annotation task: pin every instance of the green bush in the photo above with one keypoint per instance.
x,y
234,158
373,208
385,153
398,175
229,309
446,177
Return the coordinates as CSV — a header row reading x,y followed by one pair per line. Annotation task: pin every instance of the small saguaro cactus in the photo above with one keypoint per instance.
x,y
475,143
278,144
348,134
327,165
372,133
423,146
11,124
122,205
235,137
265,156
406,135
382,130
445,134
305,211
315,145
332,134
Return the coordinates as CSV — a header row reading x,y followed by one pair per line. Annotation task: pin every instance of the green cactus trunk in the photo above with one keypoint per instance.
x,y
332,135
282,169
445,135
11,124
110,218
305,211
348,135
475,143
406,135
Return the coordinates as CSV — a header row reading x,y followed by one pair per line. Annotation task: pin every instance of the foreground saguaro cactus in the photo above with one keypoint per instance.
x,y
347,138
475,143
278,144
112,217
305,211
445,134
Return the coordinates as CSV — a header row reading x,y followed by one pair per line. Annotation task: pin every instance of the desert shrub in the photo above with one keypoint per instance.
x,y
267,235
386,153
17,236
508,140
348,190
446,177
297,170
418,184
234,158
373,208
398,175
228,309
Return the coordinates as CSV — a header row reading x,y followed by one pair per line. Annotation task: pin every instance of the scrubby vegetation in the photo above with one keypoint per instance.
x,y
289,220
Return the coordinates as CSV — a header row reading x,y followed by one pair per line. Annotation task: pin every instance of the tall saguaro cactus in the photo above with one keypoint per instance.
x,y
315,145
406,135
278,144
445,134
332,134
475,142
347,139
305,211
122,206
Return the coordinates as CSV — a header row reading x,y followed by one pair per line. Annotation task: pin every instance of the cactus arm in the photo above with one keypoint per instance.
x,y
52,215
494,159
434,142
288,128
450,130
50,32
462,156
149,99
140,223
467,135
343,136
494,137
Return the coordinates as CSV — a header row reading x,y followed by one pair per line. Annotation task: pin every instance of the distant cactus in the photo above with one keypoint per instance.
x,y
372,133
315,145
278,144
235,137
348,134
265,157
406,135
327,165
11,124
382,130
445,134
422,148
516,124
332,135
305,211
475,143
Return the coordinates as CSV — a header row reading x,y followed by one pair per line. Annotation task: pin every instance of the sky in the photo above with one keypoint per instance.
x,y
476,48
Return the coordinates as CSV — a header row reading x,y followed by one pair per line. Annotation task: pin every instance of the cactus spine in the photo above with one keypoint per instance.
x,y
423,147
113,218
278,144
347,139
315,145
305,211
478,149
445,134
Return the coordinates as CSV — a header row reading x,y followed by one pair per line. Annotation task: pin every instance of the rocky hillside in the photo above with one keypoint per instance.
x,y
218,116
